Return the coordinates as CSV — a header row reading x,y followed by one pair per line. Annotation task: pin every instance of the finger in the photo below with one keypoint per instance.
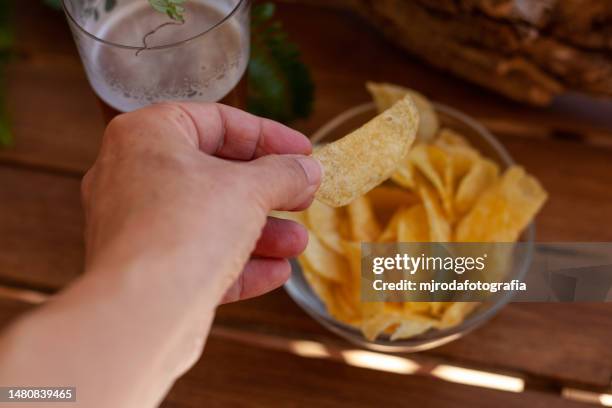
x,y
283,182
230,133
281,239
260,276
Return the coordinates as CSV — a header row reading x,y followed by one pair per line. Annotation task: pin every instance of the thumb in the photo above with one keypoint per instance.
x,y
285,182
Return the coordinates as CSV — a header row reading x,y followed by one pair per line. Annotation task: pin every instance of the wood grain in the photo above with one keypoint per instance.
x,y
10,309
41,229
521,337
232,374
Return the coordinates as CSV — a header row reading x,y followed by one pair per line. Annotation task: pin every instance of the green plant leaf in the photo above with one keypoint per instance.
x,y
6,43
56,4
280,85
109,5
172,8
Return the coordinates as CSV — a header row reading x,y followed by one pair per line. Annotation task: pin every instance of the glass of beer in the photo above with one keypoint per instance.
x,y
134,55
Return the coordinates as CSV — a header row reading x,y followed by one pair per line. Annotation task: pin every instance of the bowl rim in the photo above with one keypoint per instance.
x,y
438,336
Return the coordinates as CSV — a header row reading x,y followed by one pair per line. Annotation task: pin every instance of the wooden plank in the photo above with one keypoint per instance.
x,y
55,120
567,343
232,374
40,29
10,309
580,192
42,229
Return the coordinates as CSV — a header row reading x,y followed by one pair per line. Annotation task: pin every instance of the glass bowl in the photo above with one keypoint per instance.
x,y
299,290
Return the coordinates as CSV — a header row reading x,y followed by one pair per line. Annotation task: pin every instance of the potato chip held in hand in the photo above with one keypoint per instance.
x,y
368,156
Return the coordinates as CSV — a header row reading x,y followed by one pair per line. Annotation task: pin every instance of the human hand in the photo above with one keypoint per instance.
x,y
196,182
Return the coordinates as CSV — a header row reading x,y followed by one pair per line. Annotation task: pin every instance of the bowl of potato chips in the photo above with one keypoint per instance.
x,y
456,183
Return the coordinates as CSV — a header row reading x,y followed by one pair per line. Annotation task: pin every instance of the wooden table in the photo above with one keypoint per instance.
x,y
252,357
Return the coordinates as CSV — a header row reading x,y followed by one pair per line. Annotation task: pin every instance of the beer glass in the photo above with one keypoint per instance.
x,y
134,55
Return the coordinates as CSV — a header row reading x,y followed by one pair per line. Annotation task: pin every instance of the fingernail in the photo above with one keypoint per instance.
x,y
312,168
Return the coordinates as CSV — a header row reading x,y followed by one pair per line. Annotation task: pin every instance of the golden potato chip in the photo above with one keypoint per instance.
x,y
412,327
366,157
386,200
390,232
431,166
317,283
462,155
456,313
344,229
439,227
332,296
346,307
352,253
482,175
412,225
412,308
449,138
364,225
404,175
371,309
324,261
324,222
385,95
437,308
503,211
373,326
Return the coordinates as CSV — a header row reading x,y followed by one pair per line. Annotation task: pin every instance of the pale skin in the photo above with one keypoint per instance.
x,y
177,222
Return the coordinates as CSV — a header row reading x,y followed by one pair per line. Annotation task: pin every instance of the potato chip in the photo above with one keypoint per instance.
x,y
317,283
412,327
385,95
412,225
456,313
482,175
366,157
503,211
430,162
324,261
462,155
332,297
404,175
390,232
434,165
437,308
449,138
344,229
373,326
346,307
439,227
352,252
364,225
324,222
386,200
